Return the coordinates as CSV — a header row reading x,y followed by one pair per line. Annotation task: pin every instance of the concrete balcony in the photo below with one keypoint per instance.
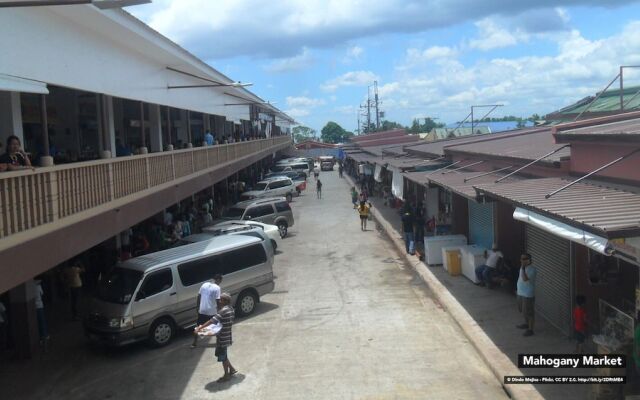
x,y
51,214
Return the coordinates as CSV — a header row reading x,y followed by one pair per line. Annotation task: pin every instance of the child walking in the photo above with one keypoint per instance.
x,y
580,322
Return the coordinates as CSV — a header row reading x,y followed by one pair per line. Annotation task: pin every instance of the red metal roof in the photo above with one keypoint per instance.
x,y
524,145
379,135
312,144
390,141
455,181
595,206
627,130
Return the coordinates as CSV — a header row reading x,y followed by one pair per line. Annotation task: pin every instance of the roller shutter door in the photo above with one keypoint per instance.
x,y
551,257
481,224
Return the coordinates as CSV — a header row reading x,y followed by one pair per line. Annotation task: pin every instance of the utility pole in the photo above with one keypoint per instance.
x,y
375,88
368,109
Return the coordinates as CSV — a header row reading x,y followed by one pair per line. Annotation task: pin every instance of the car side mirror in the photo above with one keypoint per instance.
x,y
141,295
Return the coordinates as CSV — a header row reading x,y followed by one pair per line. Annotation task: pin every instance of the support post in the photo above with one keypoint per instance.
x,y
46,160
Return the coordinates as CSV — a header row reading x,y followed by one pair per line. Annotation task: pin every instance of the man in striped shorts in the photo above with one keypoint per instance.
x,y
225,317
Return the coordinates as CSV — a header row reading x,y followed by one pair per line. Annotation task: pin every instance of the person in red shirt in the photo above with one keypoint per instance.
x,y
580,323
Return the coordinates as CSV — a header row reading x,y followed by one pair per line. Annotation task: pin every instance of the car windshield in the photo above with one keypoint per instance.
x,y
278,168
261,186
234,212
118,285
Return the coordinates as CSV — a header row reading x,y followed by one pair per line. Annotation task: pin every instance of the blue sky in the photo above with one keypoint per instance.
x,y
436,58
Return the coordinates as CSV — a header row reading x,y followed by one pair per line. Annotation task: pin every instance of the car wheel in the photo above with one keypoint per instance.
x,y
282,227
289,197
246,303
161,332
274,244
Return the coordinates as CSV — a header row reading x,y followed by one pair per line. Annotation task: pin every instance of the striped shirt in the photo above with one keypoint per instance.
x,y
225,316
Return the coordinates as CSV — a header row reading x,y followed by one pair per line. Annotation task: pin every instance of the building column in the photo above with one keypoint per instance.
x,y
182,128
169,144
24,322
155,128
10,117
106,126
143,136
45,160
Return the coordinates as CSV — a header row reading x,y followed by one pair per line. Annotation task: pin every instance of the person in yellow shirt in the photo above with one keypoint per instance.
x,y
363,210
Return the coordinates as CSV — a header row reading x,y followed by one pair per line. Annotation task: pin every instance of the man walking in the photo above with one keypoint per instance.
x,y
407,227
526,293
319,189
225,317
207,303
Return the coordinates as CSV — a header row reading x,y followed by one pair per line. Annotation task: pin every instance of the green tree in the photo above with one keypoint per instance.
x,y
418,127
389,125
302,133
334,133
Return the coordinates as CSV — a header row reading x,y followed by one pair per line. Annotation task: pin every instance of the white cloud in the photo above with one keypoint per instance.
x,y
352,78
346,110
302,106
353,53
303,101
491,36
212,30
526,85
296,63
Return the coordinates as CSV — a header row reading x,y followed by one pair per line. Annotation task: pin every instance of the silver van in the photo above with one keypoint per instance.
x,y
273,211
152,296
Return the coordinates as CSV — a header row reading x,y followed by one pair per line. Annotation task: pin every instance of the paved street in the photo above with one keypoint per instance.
x,y
347,321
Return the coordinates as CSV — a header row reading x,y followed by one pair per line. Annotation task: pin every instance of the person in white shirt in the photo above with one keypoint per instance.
x,y
485,272
43,328
207,304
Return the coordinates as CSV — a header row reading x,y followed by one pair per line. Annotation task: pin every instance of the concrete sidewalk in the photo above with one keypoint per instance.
x,y
488,318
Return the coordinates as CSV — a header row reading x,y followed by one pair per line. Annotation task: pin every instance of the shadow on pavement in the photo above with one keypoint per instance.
x,y
216,386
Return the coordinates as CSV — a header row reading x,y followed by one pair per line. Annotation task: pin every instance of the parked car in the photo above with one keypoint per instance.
x,y
152,296
276,187
271,231
274,211
299,179
210,232
326,166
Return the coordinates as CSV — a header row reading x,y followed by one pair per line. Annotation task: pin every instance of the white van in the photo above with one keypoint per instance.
x,y
151,296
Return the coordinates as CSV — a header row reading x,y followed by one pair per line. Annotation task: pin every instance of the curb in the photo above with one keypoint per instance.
x,y
493,357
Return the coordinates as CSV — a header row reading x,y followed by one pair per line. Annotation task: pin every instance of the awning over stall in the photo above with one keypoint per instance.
x,y
592,241
595,207
397,185
12,83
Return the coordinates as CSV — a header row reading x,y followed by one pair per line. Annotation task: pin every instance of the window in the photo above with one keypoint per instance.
x,y
118,285
234,212
277,184
247,257
283,206
259,211
198,271
156,282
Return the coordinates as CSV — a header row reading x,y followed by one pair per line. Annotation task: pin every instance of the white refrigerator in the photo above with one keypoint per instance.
x,y
433,246
472,257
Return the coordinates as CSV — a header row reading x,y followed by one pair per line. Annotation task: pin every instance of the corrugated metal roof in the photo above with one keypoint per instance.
x,y
363,157
454,181
595,206
527,145
389,141
406,162
436,148
620,130
395,150
608,102
379,135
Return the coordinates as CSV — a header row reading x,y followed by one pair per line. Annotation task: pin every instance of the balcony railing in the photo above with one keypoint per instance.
x,y
29,199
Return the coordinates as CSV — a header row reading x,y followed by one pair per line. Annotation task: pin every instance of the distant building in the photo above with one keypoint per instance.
x,y
448,133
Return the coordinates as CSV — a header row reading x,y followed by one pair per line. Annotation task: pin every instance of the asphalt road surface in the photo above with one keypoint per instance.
x,y
348,320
